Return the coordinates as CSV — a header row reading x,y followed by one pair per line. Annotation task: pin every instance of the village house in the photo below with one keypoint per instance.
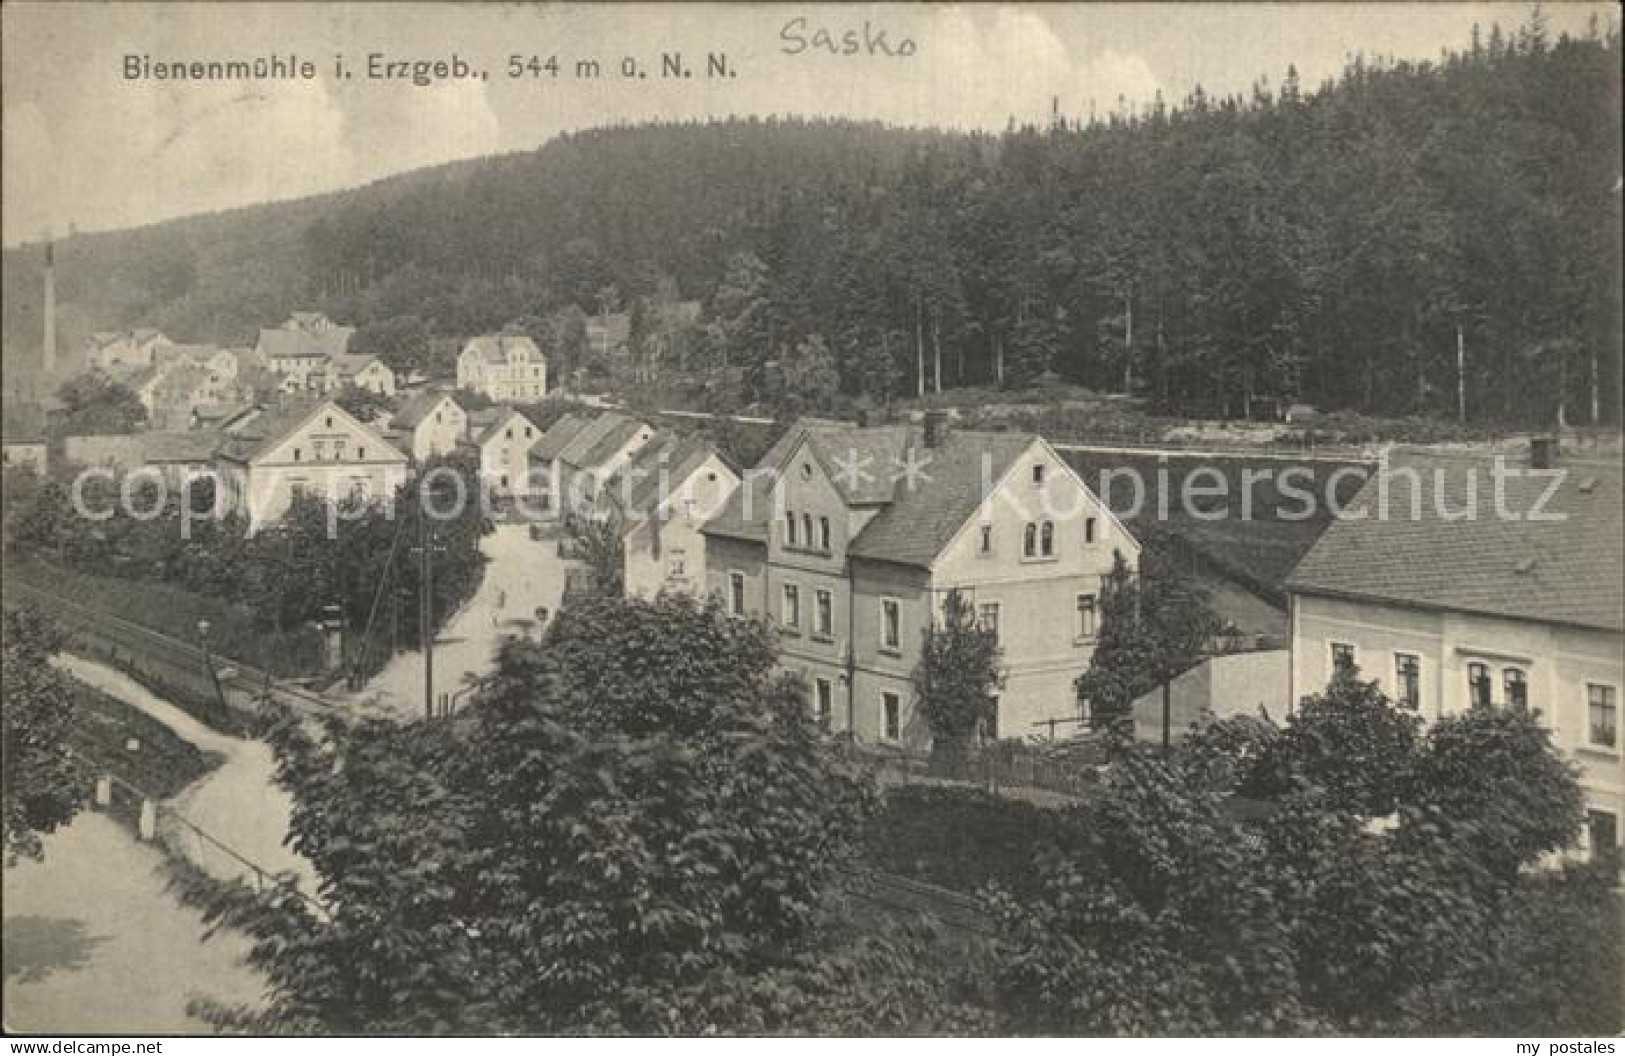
x,y
125,350
851,538
316,447
544,457
430,424
175,458
300,349
1450,603
661,499
504,443
503,367
362,371
594,453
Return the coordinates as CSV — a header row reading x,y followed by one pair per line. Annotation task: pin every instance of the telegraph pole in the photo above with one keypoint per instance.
x,y
426,611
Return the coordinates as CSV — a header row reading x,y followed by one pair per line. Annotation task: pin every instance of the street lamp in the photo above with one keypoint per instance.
x,y
208,662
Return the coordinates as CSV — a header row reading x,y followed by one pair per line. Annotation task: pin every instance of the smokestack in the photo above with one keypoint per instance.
x,y
48,360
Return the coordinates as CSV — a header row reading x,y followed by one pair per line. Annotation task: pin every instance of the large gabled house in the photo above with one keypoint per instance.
x,y
316,447
545,468
503,367
661,499
504,437
1454,592
851,538
300,349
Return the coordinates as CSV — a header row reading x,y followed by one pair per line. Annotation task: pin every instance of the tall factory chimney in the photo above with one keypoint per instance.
x,y
48,359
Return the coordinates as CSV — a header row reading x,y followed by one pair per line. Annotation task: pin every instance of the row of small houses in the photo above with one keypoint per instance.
x,y
184,386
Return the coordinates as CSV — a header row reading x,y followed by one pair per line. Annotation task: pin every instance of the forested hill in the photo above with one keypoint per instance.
x,y
1324,243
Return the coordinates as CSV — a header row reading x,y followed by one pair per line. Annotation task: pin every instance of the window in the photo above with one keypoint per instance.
x,y
789,529
891,716
330,421
1046,539
321,449
1603,829
504,480
296,454
987,538
437,417
806,528
1088,529
1408,679
824,701
1602,709
361,454
891,631
1087,616
736,593
1478,685
1029,541
791,608
1038,474
824,615
1516,687
528,433
508,435
1342,658
823,533
987,618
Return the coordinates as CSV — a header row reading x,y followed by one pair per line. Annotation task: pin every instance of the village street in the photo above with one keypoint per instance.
x,y
95,944
239,803
523,575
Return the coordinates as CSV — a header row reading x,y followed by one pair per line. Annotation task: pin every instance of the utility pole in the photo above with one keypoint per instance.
x,y
426,612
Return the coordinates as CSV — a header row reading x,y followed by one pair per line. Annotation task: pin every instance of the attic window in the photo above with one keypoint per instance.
x,y
330,421
1038,474
806,471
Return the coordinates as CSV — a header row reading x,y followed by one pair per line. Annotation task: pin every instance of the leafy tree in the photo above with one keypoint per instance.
x,y
1154,626
401,341
807,381
1350,744
956,679
1498,771
93,404
547,862
597,540
42,781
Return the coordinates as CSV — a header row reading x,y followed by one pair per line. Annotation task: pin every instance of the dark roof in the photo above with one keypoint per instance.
x,y
621,430
298,342
136,449
665,462
919,521
558,437
493,348
914,523
1567,570
250,437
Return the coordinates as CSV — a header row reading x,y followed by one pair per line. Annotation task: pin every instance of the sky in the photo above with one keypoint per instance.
x,y
87,149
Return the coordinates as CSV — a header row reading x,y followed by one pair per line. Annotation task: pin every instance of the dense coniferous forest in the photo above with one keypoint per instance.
x,y
1335,244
